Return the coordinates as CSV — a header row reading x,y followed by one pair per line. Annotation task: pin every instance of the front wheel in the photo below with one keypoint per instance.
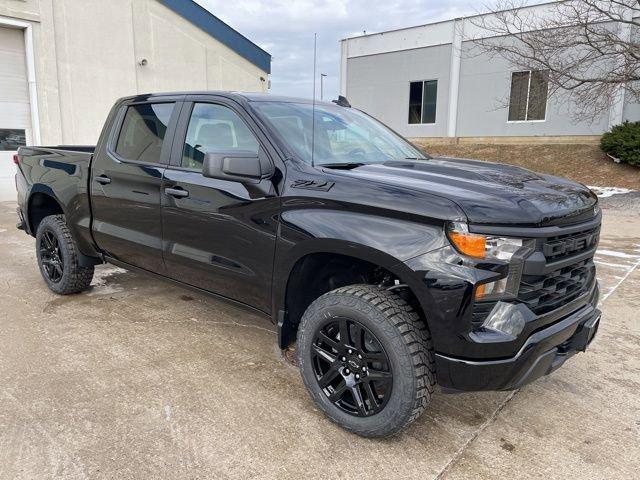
x,y
58,257
367,359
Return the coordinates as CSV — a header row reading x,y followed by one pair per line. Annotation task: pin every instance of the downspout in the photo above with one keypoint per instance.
x,y
454,76
33,87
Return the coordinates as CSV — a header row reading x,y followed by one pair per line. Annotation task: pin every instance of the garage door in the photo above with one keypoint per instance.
x,y
15,119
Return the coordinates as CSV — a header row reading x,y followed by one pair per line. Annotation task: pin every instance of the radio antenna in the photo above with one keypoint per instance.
x,y
313,107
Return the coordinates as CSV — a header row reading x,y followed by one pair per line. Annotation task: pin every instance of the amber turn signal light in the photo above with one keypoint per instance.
x,y
469,243
480,291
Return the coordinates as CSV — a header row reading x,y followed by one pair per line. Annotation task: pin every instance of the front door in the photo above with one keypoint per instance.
x,y
126,182
219,235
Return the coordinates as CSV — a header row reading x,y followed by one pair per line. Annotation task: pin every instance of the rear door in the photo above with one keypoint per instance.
x,y
219,235
126,178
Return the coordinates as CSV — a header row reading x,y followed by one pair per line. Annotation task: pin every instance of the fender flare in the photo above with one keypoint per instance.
x,y
284,270
45,190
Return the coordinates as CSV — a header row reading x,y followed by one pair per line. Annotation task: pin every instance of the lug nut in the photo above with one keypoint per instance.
x,y
347,371
350,351
364,369
360,356
343,359
357,377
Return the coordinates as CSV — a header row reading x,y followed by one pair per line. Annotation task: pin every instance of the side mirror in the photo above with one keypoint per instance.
x,y
237,166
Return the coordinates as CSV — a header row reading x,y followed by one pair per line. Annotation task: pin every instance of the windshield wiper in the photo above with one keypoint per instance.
x,y
342,165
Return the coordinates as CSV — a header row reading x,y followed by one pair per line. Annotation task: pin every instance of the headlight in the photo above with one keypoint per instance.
x,y
489,247
482,246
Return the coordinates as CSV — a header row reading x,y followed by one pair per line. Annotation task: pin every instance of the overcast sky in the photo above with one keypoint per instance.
x,y
285,28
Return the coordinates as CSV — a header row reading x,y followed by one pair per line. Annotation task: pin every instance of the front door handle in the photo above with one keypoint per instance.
x,y
103,180
176,192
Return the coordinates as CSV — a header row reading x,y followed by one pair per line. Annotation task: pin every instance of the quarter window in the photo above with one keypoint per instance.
x,y
143,131
215,128
422,101
528,99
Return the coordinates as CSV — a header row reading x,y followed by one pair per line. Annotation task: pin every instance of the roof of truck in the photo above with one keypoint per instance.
x,y
247,96
267,97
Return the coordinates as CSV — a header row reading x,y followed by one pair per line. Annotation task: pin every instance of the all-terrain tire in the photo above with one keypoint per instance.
x,y
404,337
74,278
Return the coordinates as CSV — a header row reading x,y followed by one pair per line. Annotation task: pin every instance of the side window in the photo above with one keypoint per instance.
x,y
215,128
143,131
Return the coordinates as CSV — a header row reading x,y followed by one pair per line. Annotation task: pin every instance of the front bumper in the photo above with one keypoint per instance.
x,y
542,353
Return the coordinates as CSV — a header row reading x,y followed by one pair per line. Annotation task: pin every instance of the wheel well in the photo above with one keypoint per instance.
x,y
41,205
319,273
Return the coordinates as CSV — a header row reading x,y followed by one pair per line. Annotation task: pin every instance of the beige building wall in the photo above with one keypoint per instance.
x,y
88,53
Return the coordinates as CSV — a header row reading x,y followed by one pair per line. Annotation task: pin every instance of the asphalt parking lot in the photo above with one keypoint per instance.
x,y
137,378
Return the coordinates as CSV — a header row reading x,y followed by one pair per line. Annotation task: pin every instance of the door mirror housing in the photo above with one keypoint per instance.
x,y
237,166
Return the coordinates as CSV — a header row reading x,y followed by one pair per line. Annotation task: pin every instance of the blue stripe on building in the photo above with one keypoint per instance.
x,y
222,32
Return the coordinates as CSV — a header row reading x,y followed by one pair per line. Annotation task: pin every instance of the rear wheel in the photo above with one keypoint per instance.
x,y
57,256
367,360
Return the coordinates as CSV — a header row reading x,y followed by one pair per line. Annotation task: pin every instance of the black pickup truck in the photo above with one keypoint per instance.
x,y
393,270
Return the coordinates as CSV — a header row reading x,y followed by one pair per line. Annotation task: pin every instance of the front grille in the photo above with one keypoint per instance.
x,y
545,293
562,246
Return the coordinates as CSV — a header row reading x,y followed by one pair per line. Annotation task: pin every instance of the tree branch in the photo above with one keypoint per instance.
x,y
588,47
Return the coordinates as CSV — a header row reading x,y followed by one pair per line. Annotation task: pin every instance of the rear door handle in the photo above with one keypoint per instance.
x,y
103,180
176,192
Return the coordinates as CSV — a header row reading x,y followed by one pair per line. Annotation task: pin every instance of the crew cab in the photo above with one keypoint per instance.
x,y
391,271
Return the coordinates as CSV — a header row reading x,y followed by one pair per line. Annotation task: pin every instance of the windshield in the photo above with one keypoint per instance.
x,y
342,135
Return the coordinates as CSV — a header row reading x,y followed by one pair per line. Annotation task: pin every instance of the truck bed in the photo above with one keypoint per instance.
x,y
60,172
67,148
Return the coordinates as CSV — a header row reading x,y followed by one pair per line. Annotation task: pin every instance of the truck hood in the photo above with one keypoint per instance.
x,y
488,193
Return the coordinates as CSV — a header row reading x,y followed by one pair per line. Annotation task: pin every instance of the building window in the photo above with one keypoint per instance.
x,y
528,99
422,101
11,139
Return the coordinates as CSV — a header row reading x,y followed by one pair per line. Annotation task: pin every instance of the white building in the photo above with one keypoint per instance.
x,y
64,62
427,81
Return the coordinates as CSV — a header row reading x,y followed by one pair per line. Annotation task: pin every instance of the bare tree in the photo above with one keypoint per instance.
x,y
589,49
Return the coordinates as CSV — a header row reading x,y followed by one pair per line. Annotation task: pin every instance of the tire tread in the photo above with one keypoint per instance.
x,y
414,334
77,278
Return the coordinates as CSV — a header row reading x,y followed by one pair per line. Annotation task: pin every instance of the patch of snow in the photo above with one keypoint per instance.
x,y
612,253
613,265
605,192
101,284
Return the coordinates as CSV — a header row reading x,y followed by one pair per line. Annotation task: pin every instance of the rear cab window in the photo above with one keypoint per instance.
x,y
143,131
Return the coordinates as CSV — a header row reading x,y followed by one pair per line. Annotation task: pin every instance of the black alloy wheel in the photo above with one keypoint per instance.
x,y
351,367
51,256
366,358
59,258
